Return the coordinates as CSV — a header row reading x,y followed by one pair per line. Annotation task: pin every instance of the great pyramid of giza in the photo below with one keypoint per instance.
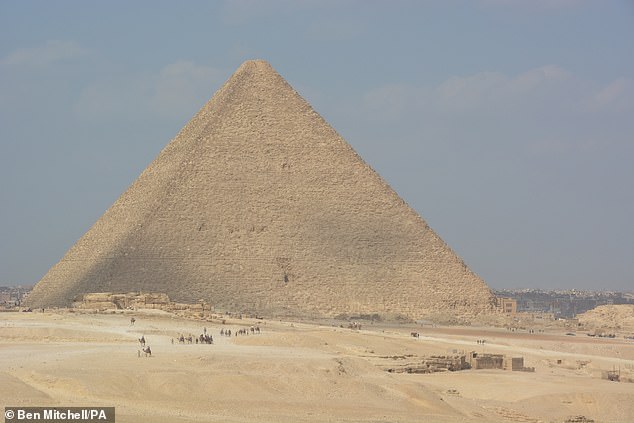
x,y
258,205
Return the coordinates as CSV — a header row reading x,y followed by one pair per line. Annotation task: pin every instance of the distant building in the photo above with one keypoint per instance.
x,y
506,305
497,361
486,361
562,304
514,364
12,296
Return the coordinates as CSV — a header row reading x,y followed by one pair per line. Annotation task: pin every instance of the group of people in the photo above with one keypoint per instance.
x,y
514,329
182,339
253,330
203,338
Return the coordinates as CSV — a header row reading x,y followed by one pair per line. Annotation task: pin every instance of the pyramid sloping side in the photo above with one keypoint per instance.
x,y
259,205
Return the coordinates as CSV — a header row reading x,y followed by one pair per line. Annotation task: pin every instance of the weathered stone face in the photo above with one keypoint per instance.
x,y
258,205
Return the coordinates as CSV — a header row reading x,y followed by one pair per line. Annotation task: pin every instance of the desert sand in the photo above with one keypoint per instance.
x,y
303,371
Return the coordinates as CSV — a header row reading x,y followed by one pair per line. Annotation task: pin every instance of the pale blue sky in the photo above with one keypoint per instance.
x,y
507,124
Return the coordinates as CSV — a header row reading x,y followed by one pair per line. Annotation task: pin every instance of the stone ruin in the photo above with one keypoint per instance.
x,y
497,361
428,364
103,301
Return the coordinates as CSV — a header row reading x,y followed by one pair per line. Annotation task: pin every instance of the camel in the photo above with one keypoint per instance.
x,y
205,339
147,351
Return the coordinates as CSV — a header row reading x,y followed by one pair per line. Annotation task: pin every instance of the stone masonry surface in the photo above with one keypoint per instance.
x,y
258,205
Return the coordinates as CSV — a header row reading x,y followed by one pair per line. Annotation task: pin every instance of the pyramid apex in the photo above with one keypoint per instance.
x,y
254,68
255,64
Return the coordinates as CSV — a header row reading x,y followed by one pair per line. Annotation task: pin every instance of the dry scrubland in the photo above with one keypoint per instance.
x,y
303,371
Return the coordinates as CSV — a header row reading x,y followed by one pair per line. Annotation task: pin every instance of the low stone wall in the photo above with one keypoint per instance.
x,y
486,361
134,301
431,364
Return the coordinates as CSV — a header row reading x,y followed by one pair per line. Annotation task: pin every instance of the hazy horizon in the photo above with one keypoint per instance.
x,y
506,125
631,291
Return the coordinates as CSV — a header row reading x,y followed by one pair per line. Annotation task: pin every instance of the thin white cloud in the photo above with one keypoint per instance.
x,y
536,78
172,92
549,88
390,101
115,98
548,109
51,52
617,96
494,89
182,85
471,91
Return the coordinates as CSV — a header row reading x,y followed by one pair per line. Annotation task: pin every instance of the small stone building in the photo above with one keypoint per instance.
x,y
486,361
506,305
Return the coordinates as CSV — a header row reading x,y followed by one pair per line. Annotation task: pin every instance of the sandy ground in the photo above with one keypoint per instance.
x,y
303,372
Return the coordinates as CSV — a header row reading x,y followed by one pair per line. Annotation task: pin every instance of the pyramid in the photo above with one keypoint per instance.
x,y
259,206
